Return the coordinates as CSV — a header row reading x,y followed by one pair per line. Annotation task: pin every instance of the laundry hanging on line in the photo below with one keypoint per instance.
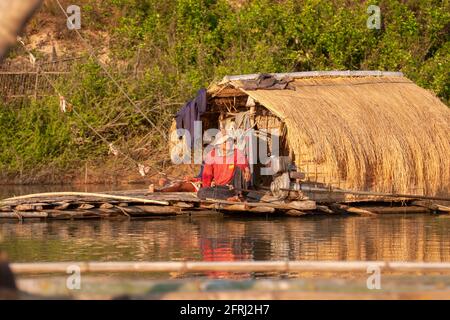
x,y
191,112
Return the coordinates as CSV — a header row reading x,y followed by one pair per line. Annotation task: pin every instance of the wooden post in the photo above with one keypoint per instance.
x,y
85,173
36,84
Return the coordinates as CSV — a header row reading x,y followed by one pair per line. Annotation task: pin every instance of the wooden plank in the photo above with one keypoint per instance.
x,y
84,195
151,210
106,206
295,213
183,205
6,209
25,214
293,204
352,210
328,198
431,206
304,205
399,210
170,196
63,206
244,208
86,206
262,210
156,198
72,214
31,207
325,209
443,208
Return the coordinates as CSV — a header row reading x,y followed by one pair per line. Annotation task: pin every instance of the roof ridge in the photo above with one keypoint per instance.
x,y
310,74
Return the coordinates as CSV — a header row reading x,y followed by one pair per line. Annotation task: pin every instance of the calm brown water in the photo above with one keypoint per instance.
x,y
225,238
215,238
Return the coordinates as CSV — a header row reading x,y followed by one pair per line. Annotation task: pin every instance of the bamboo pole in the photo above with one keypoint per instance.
x,y
85,194
399,210
369,193
241,266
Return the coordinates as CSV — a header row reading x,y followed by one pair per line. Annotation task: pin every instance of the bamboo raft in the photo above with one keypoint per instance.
x,y
141,204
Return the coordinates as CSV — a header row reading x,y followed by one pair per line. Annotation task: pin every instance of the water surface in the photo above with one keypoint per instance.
x,y
225,238
216,237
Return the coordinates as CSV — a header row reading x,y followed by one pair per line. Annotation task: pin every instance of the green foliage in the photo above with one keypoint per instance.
x,y
181,45
197,41
33,136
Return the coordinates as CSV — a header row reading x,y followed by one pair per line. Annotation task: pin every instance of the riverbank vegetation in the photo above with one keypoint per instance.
x,y
161,52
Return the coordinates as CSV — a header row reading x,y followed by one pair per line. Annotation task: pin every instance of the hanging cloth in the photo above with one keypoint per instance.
x,y
191,112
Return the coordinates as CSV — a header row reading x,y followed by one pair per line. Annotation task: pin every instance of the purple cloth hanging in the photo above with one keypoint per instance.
x,y
192,112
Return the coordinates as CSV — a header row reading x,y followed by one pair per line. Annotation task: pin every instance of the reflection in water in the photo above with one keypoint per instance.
x,y
390,238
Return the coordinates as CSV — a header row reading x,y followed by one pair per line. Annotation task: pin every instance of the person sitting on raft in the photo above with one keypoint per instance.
x,y
227,168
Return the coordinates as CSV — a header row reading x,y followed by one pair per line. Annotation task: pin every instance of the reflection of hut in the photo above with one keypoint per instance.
x,y
374,131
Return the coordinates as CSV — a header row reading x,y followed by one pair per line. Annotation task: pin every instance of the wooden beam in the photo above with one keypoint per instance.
x,y
183,205
151,210
352,210
295,213
399,210
26,214
431,206
295,205
244,208
325,209
31,207
84,194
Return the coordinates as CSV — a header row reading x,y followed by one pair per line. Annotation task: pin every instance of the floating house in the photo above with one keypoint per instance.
x,y
370,131
356,142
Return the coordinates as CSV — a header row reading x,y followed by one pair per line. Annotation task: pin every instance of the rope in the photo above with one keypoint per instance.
x,y
92,53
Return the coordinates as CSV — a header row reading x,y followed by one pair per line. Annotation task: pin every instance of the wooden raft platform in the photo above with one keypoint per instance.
x,y
140,203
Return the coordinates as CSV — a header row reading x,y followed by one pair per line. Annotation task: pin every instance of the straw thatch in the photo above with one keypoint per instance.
x,y
378,133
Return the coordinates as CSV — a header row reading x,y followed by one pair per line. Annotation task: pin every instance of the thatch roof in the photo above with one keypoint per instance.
x,y
376,131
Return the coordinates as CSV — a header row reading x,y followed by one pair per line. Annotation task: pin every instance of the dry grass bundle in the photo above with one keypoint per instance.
x,y
367,133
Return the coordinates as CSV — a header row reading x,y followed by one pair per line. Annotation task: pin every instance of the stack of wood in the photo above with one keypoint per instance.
x,y
78,205
139,203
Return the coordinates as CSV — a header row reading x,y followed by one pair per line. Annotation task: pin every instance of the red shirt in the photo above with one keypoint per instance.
x,y
221,168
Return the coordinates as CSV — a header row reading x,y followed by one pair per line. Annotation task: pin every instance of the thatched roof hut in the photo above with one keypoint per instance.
x,y
373,131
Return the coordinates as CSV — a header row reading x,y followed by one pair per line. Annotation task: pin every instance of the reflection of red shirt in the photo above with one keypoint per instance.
x,y
217,252
221,168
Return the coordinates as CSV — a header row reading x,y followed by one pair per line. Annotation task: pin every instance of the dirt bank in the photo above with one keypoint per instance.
x,y
107,173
